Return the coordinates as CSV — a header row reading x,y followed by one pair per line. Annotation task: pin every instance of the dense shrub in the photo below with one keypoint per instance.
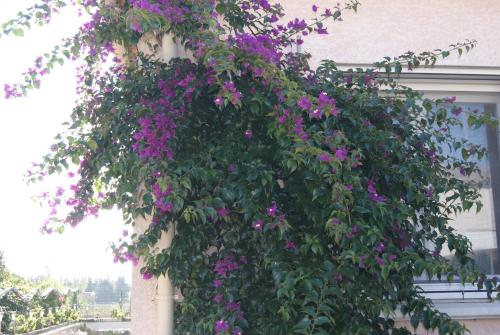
x,y
304,200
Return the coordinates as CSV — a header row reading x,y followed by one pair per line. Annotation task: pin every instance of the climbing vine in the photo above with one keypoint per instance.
x,y
305,200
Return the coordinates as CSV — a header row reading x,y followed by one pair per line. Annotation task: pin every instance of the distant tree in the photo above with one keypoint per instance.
x,y
122,288
105,292
91,286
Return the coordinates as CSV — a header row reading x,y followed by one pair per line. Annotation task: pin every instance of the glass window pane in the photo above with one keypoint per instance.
x,y
480,227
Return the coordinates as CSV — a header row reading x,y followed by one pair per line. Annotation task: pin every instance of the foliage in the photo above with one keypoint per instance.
x,y
35,304
118,314
304,200
29,323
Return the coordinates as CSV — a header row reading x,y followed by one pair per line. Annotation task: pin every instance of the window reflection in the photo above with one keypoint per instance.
x,y
480,227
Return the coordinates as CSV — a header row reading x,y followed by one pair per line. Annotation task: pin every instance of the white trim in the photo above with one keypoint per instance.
x,y
457,292
463,310
437,69
485,88
470,306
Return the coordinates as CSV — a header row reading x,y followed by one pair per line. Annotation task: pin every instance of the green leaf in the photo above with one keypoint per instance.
x,y
18,32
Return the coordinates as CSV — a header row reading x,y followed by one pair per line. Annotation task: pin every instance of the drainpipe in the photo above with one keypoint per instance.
x,y
165,293
165,290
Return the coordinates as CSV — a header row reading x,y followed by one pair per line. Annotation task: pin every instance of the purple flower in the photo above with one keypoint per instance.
x,y
297,24
262,45
350,234
304,103
289,245
335,221
373,195
219,101
380,247
231,168
147,275
222,212
221,326
321,31
379,261
341,153
271,211
233,306
60,191
217,283
299,130
349,187
431,154
314,8
224,266
450,100
324,157
235,98
258,71
218,298
316,114
457,111
258,225
248,134
164,206
392,257
229,86
11,91
429,192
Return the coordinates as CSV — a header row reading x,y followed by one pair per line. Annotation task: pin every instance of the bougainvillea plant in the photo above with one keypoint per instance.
x,y
305,200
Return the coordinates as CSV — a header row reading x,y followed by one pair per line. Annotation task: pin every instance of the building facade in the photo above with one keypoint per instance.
x,y
389,28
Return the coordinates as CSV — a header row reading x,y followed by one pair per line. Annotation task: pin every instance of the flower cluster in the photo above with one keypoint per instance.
x,y
261,45
159,127
174,11
232,309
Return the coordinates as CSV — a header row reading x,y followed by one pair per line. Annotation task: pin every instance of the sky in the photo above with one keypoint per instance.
x,y
27,129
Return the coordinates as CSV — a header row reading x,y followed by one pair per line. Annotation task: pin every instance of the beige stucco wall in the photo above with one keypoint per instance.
x,y
391,27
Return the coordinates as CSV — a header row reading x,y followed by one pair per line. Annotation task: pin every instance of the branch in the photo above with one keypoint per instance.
x,y
411,60
39,14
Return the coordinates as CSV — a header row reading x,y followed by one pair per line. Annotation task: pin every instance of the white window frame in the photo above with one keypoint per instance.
x,y
470,86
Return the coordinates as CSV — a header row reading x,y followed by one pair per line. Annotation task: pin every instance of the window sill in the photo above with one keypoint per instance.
x,y
459,301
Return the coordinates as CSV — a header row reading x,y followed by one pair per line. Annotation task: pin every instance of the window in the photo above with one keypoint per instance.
x,y
481,228
482,93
